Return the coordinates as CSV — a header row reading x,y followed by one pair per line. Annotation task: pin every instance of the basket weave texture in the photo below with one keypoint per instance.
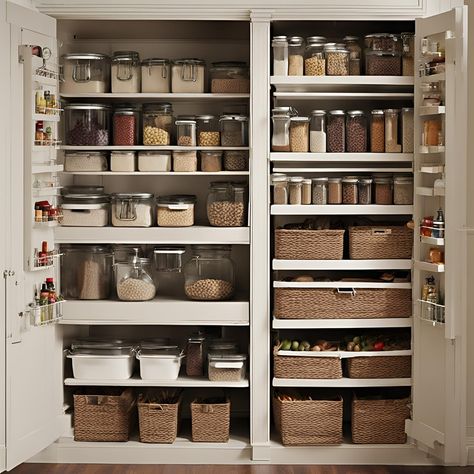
x,y
210,422
369,242
379,421
327,303
103,417
391,367
296,244
308,422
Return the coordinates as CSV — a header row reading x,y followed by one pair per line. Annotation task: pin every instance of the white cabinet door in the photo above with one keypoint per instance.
x,y
439,372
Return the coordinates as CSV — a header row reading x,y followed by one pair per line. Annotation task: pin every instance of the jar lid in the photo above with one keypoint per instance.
x,y
279,178
97,56
81,248
295,179
156,342
125,56
239,186
337,48
77,189
307,181
185,122
87,107
155,62
126,110
279,39
138,196
350,179
382,180
336,112
295,40
154,153
383,53
350,38
223,345
159,107
227,357
320,180
334,180
407,33
316,39
165,352
122,152
377,112
318,112
169,249
177,199
299,119
355,112
205,117
237,117
403,179
392,111
407,109
81,198
196,338
193,61
366,180
382,35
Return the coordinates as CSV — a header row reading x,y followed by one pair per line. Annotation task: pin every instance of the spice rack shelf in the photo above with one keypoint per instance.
x,y
341,383
40,169
338,209
343,157
430,267
432,241
47,314
45,225
432,312
428,110
156,147
157,173
46,117
441,76
385,96
342,323
391,264
47,191
430,192
173,97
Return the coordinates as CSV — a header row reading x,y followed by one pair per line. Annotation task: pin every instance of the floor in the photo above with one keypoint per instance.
x,y
142,469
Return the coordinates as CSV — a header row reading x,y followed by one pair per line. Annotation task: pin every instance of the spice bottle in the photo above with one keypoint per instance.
x,y
438,225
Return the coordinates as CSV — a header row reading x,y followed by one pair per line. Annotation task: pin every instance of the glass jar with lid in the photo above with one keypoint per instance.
x,y
403,190
87,124
299,134
295,185
157,124
227,204
280,55
314,59
126,72
209,274
85,73
382,63
230,77
356,131
281,128
234,130
392,135
336,131
132,210
320,191
295,56
280,188
154,160
86,272
85,161
156,75
317,133
365,191
186,132
211,161
187,76
350,194
125,126
334,190
408,56
195,355
175,210
355,54
123,161
337,60
383,190
168,258
185,161
408,126
85,210
377,131
208,133
386,42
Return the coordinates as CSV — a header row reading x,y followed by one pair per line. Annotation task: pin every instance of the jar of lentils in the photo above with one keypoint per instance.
x,y
355,53
157,124
299,134
314,59
365,191
337,60
377,131
334,190
336,132
383,191
403,190
350,193
320,191
208,133
356,131
295,56
125,126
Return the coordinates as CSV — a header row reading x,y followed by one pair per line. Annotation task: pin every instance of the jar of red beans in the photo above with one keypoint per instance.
x,y
384,190
125,126
336,132
356,132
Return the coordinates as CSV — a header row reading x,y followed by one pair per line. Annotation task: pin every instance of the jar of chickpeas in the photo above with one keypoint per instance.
x,y
157,124
314,60
337,60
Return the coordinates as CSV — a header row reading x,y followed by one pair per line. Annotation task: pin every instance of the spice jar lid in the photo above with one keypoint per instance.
x,y
377,112
194,61
169,249
185,122
316,39
407,109
177,199
307,181
382,179
295,40
205,118
366,180
295,179
299,119
127,110
125,56
279,178
196,338
155,62
350,179
320,180
350,38
236,117
97,56
355,112
318,112
336,112
137,196
403,179
392,111
280,39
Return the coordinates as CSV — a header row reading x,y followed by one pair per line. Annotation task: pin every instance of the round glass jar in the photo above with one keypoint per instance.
x,y
295,56
234,130
85,73
157,124
380,63
336,131
403,190
209,274
211,161
208,133
85,161
227,204
85,210
186,132
87,124
355,54
134,280
350,194
187,76
356,131
334,190
280,55
317,133
132,210
156,75
280,188
377,131
125,72
295,185
175,210
383,191
123,161
320,191
365,191
125,126
281,128
155,160
231,77
337,60
314,59
299,134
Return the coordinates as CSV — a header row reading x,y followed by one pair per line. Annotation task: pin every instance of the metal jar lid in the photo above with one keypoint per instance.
x,y
169,249
125,56
350,38
295,179
366,180
377,112
300,119
155,62
230,65
279,178
350,179
279,39
355,113
177,199
316,39
295,41
193,61
318,112
185,122
135,196
85,198
165,107
85,56
320,180
336,112
205,118
236,117
87,107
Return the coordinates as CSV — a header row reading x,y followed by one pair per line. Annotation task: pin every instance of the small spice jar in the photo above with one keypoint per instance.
x,y
306,191
280,188
407,130
392,140
295,56
280,55
383,191
334,190
377,131
356,132
314,60
317,133
355,53
403,190
211,161
336,131
299,134
208,133
337,60
365,191
195,355
350,193
320,191
186,132
295,184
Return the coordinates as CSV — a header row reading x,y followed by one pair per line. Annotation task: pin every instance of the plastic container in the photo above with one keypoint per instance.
x,y
195,355
85,161
281,117
280,188
336,131
314,59
295,56
383,190
377,131
317,133
175,210
227,367
280,55
211,161
407,130
155,160
392,137
85,73
223,346
185,161
408,56
350,192
157,124
231,77
123,161
85,210
380,63
234,130
186,132
125,125
133,280
126,72
355,54
168,258
87,124
187,76
156,75
365,191
299,134
320,191
356,131
334,191
132,210
236,160
337,60
161,363
295,185
227,204
403,190
208,133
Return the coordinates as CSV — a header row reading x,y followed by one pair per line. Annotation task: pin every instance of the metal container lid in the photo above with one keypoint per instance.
x,y
299,119
280,39
102,347
136,196
403,179
88,56
382,179
155,62
407,109
196,338
316,39
320,180
177,199
377,112
194,61
159,107
350,38
335,180
160,353
236,117
87,248
169,249
295,40
366,180
318,112
156,342
336,112
350,179
87,107
205,118
227,357
77,189
185,122
127,110
279,178
223,345
392,111
85,198
355,112
295,179
125,56
83,154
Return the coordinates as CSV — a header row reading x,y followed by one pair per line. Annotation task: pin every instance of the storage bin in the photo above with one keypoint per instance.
x,y
155,160
85,161
85,210
226,367
210,419
377,131
85,73
132,210
187,76
376,421
160,363
320,191
175,210
230,77
126,72
308,422
186,132
365,191
386,42
87,124
334,190
383,367
403,190
156,75
383,190
103,417
380,242
380,63
350,190
302,244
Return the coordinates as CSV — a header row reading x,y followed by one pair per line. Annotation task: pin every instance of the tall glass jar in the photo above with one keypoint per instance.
x,y
209,275
281,128
299,134
334,190
295,188
365,191
227,204
157,124
356,132
320,191
355,54
350,192
408,56
337,60
126,72
234,130
280,55
208,133
314,59
195,356
377,131
134,280
392,136
336,131
125,125
280,188
156,75
295,56
407,130
87,124
186,132
383,190
317,134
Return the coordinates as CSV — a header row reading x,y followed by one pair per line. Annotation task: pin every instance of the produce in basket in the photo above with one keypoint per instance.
x,y
375,343
320,345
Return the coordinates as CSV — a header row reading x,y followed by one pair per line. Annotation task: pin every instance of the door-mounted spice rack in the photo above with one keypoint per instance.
x,y
44,315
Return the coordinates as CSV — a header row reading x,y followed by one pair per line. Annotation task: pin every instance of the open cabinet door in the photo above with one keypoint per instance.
x,y
33,351
439,334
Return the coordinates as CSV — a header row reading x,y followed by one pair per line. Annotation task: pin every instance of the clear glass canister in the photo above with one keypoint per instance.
x,y
126,72
392,136
334,190
386,42
209,275
234,130
187,76
295,56
87,124
407,130
350,191
295,185
383,191
337,61
317,133
157,124
123,161
155,160
381,63
227,204
85,161
85,210
299,134
280,188
377,131
134,280
280,55
355,54
365,191
169,258
236,160
195,355
356,131
320,191
156,75
132,210
85,73
208,133
86,272
306,191
408,57
403,190
231,77
175,210
281,128
211,161
125,125
336,131
314,59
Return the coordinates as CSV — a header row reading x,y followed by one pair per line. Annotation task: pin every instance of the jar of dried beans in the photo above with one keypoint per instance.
x,y
125,126
208,133
337,60
365,191
383,191
299,134
334,191
227,204
336,131
403,190
350,193
195,355
377,131
314,60
157,124
356,132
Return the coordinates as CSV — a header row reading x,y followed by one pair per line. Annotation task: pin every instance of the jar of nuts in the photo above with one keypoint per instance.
x,y
336,131
337,60
334,191
365,191
234,130
125,126
208,133
383,190
175,210
356,132
299,134
227,204
157,124
314,60
377,131
320,191
186,132
350,194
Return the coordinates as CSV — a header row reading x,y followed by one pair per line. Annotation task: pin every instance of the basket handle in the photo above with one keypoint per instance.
x,y
97,400
207,409
346,291
381,231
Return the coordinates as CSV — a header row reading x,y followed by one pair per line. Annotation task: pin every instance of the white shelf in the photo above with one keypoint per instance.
x,y
157,173
172,97
341,96
343,157
153,235
339,209
432,240
46,191
430,192
161,311
428,150
341,383
151,147
431,168
39,169
427,110
372,169
341,323
430,267
441,76
392,264
47,117
182,381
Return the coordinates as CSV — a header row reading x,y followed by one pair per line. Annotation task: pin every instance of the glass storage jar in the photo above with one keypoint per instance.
x,y
85,210
432,132
281,128
320,191
123,161
334,190
222,346
336,131
392,137
208,133
195,355
236,160
295,185
337,60
125,125
87,124
295,56
350,192
299,134
156,75
408,58
175,210
306,191
365,191
185,161
355,54
86,272
234,130
380,63
132,210
383,190
231,77
356,131
85,161
314,59
386,42
280,55
227,367
155,160
227,204
134,280
407,130
157,124
403,190
280,188
377,131
211,161
126,72
187,76
186,132
85,73
317,133
209,275
168,258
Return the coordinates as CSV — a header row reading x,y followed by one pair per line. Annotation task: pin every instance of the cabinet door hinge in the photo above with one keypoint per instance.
x,y
8,273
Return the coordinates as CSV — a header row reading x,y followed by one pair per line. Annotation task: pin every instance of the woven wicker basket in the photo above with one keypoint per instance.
x,y
309,244
308,422
210,422
325,303
103,417
383,367
379,421
158,422
296,367
369,243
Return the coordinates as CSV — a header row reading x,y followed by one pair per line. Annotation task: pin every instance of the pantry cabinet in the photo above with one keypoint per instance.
x,y
36,393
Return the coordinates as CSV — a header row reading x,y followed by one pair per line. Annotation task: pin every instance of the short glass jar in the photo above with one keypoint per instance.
x,y
186,132
317,133
306,191
383,190
334,190
299,134
169,258
230,77
123,161
85,73
211,161
314,59
281,117
125,126
336,131
208,133
87,124
280,55
157,124
377,131
350,191
85,161
126,72
234,130
365,191
132,210
227,204
295,56
403,190
356,131
381,63
320,191
280,188
187,76
295,185
337,60
175,210
156,75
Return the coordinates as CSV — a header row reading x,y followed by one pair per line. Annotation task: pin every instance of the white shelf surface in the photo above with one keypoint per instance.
x,y
428,150
153,235
390,264
343,157
427,110
338,209
341,383
161,311
39,169
157,173
441,76
372,169
344,95
47,117
342,323
432,240
151,147
173,97
430,267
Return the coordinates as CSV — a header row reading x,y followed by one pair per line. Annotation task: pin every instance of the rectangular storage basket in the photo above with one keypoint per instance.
x,y
103,417
308,422
158,422
300,367
379,367
379,421
210,422
295,244
380,242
